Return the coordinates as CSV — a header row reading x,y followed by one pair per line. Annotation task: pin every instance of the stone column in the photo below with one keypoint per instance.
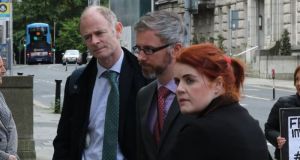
x,y
18,93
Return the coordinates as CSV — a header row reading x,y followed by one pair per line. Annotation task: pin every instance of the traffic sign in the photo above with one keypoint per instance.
x,y
5,11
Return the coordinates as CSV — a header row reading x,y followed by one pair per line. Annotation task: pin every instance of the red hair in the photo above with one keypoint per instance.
x,y
209,60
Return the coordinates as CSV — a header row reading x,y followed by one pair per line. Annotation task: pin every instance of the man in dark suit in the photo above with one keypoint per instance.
x,y
81,132
159,35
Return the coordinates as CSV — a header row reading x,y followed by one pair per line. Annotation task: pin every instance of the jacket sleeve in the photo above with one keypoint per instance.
x,y
61,142
12,144
3,155
11,136
12,140
272,129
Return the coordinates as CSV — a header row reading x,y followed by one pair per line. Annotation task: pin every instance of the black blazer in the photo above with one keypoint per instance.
x,y
228,133
73,125
147,148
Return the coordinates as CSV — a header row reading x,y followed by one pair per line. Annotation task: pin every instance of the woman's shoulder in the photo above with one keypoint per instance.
x,y
289,101
288,98
214,119
224,117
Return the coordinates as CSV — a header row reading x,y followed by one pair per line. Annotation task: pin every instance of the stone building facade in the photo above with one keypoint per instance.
x,y
245,25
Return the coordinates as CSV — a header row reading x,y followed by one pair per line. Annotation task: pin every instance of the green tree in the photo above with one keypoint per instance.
x,y
65,14
285,45
220,42
46,11
104,3
70,37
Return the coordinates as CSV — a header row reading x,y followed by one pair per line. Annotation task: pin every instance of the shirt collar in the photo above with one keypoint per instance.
x,y
116,67
170,85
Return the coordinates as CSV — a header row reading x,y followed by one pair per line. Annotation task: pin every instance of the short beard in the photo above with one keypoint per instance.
x,y
158,70
150,75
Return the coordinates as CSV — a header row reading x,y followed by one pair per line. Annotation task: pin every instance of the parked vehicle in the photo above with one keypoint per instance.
x,y
89,57
71,56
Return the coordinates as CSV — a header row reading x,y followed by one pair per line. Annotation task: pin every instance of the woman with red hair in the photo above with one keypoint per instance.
x,y
208,89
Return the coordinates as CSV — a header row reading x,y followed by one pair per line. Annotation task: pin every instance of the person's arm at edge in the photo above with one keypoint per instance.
x,y
272,128
12,144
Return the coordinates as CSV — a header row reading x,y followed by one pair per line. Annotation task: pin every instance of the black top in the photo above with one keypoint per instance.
x,y
225,130
272,127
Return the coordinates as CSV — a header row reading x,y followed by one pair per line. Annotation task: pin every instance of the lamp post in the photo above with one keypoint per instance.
x,y
187,21
21,45
54,26
24,51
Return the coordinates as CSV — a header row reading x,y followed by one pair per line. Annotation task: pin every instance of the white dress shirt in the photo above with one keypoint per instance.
x,y
95,135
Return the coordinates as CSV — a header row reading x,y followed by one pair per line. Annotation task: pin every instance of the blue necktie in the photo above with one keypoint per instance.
x,y
111,127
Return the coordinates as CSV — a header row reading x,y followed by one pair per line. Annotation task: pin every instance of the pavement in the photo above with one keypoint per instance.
x,y
45,126
45,120
283,84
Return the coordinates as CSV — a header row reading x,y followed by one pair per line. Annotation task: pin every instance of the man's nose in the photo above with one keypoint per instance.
x,y
95,39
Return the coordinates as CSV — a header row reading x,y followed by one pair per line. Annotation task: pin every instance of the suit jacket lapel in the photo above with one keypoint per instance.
x,y
147,101
125,81
172,114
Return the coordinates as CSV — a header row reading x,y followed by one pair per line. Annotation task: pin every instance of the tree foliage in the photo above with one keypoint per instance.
x,y
62,12
285,45
220,42
70,36
65,14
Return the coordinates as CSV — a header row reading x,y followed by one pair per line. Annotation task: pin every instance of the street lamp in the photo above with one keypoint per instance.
x,y
24,51
54,26
20,49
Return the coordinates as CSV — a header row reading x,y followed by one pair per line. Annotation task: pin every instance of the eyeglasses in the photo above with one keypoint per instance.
x,y
148,50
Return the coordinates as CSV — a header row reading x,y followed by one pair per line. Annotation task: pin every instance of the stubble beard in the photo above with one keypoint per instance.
x,y
154,73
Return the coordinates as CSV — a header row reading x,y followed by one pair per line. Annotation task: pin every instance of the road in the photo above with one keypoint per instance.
x,y
44,80
45,122
259,101
256,98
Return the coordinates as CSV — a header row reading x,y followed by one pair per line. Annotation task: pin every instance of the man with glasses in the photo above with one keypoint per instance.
x,y
159,35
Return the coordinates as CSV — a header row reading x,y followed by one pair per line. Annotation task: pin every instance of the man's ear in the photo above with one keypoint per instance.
x,y
177,47
119,29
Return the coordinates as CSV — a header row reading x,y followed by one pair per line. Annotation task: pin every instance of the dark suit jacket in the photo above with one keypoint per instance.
x,y
228,133
73,125
147,148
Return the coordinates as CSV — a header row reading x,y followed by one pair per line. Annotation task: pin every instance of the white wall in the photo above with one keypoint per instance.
x,y
284,66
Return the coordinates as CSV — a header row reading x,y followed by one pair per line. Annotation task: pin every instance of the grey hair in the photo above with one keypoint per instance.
x,y
109,15
168,25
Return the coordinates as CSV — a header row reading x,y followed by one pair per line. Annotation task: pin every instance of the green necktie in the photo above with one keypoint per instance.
x,y
111,127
